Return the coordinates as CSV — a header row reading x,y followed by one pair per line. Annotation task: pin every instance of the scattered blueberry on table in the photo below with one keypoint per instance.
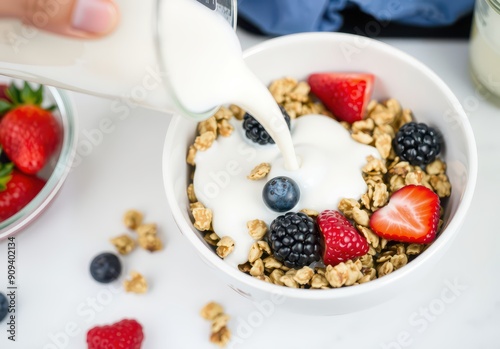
x,y
105,267
4,307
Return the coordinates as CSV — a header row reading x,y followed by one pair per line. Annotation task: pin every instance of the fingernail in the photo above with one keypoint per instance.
x,y
94,16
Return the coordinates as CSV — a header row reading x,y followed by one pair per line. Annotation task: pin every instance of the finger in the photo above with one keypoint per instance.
x,y
76,18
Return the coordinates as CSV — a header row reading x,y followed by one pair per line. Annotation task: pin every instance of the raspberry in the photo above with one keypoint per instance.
x,y
342,240
126,334
295,240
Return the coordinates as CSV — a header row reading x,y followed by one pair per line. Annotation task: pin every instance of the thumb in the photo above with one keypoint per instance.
x,y
76,18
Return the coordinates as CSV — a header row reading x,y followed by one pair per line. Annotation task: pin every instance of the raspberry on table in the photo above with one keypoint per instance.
x,y
417,143
295,240
256,132
126,334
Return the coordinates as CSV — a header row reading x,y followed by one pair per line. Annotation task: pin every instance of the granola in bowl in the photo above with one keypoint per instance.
x,y
394,179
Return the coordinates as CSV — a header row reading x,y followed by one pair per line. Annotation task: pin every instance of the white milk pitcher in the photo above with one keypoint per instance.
x,y
127,66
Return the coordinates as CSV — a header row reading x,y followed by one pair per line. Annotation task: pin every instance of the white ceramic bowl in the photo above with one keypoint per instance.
x,y
397,75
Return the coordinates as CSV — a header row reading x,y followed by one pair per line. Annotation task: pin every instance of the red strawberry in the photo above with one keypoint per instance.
x,y
126,334
346,95
29,134
412,215
16,190
342,240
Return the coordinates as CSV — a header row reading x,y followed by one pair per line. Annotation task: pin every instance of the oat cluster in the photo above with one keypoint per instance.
x,y
219,332
260,171
208,130
383,177
124,244
136,284
146,236
295,97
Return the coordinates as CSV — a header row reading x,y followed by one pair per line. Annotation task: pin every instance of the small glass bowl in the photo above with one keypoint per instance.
x,y
58,168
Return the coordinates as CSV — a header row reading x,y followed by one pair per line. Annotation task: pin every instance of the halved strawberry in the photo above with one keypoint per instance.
x,y
346,95
412,215
342,240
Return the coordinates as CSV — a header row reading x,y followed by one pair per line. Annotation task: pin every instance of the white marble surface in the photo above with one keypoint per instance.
x,y
124,170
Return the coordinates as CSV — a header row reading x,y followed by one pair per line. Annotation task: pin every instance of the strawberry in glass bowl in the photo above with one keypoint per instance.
x,y
37,144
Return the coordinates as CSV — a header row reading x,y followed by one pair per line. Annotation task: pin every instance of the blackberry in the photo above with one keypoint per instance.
x,y
417,143
4,306
295,240
105,267
256,132
281,194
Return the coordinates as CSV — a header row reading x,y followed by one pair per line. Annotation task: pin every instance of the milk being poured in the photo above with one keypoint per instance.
x,y
168,54
180,54
205,68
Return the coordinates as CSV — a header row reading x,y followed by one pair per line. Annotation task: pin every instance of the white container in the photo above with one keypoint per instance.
x,y
485,45
421,90
125,66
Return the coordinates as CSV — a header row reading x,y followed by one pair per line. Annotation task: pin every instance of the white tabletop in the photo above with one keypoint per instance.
x,y
123,170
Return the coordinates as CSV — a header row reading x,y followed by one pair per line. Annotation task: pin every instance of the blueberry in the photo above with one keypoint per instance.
x,y
281,194
105,268
4,307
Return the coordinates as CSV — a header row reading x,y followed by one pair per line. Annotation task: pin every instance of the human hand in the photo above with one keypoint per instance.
x,y
75,18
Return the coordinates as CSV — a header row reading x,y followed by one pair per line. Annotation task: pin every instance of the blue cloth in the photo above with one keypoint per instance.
x,y
279,17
